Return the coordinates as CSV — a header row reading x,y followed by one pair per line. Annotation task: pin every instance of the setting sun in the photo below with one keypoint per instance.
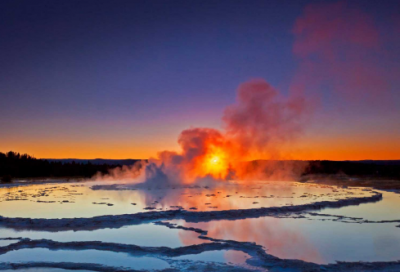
x,y
214,160
216,164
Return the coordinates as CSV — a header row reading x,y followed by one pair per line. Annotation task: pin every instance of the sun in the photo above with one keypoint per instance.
x,y
215,160
215,164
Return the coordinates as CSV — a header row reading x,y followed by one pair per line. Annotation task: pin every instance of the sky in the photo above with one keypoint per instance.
x,y
121,79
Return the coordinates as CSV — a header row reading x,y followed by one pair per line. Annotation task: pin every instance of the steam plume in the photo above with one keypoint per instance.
x,y
339,46
256,126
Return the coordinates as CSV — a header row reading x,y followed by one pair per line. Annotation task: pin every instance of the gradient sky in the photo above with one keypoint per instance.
x,y
121,79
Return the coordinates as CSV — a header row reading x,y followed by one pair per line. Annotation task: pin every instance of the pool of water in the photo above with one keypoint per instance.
x,y
7,242
386,209
142,235
86,256
221,256
310,240
316,239
44,270
68,200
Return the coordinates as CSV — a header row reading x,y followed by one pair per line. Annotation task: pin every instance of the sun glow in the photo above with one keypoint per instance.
x,y
216,164
215,160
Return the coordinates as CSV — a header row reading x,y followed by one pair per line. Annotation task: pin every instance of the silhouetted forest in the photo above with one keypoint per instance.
x,y
381,169
15,165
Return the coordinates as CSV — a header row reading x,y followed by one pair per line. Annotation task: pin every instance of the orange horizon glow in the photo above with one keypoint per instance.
x,y
314,92
318,149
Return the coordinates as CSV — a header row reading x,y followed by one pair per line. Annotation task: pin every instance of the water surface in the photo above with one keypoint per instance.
x,y
85,256
69,200
316,239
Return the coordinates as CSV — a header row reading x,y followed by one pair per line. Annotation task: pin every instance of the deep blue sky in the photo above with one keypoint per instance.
x,y
136,72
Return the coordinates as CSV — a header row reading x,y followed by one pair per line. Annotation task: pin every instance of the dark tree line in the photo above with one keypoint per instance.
x,y
382,169
15,165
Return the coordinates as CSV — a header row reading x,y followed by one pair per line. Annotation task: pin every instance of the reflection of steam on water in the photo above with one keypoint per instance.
x,y
277,238
258,125
226,195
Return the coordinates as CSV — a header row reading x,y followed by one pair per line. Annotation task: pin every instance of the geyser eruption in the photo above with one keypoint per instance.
x,y
337,45
262,120
204,152
257,126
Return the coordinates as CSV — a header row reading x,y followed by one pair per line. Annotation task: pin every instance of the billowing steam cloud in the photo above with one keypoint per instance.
x,y
256,126
337,47
261,120
340,49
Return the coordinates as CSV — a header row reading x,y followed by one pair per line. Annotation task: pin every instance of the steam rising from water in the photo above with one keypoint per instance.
x,y
337,45
256,126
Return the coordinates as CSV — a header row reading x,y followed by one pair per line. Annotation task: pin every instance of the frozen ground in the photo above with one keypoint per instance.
x,y
271,226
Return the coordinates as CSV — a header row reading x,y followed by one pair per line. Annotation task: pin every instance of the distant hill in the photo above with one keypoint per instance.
x,y
384,168
381,162
96,161
132,161
15,165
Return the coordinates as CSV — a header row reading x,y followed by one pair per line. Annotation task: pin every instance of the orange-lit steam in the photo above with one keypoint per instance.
x,y
204,152
256,126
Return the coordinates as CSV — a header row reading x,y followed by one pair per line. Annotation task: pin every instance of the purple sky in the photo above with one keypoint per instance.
x,y
121,79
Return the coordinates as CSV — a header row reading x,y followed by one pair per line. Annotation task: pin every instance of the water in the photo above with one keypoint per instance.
x,y
386,209
44,270
71,200
142,235
7,242
221,256
311,240
315,239
86,256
